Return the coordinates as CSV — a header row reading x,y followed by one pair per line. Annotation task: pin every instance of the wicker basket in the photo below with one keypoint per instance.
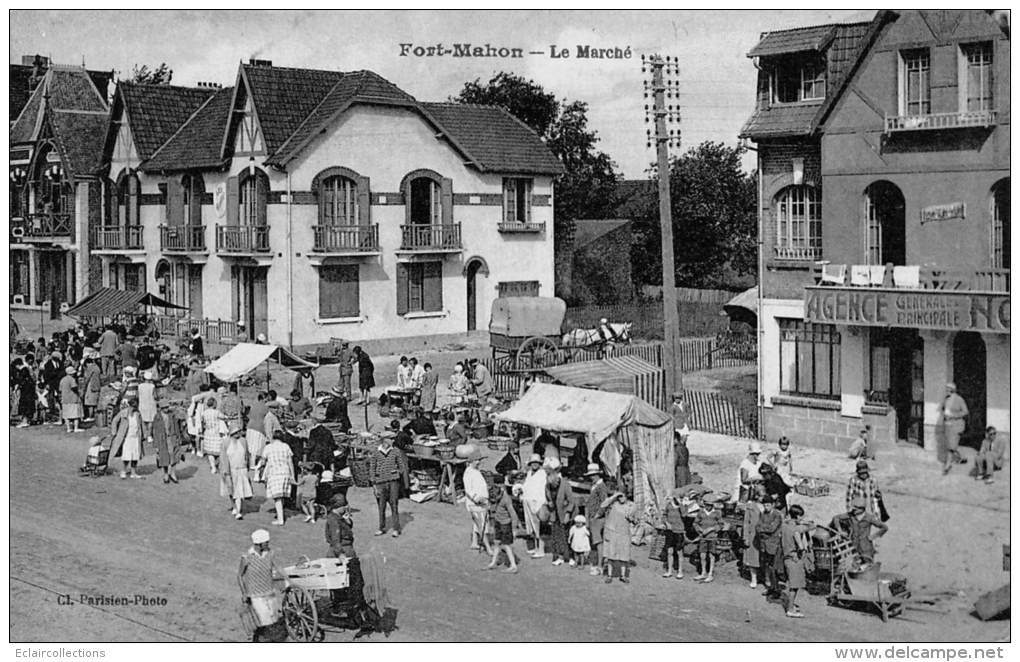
x,y
445,451
482,430
823,558
812,488
657,546
500,444
360,472
423,451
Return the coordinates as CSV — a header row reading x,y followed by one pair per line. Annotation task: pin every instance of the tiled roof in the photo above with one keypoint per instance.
x,y
814,38
841,44
23,130
62,88
197,143
284,97
357,86
156,112
493,138
80,137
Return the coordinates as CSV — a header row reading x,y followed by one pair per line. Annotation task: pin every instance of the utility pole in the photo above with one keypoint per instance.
x,y
660,114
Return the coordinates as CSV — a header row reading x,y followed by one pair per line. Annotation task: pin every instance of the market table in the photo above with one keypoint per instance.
x,y
448,473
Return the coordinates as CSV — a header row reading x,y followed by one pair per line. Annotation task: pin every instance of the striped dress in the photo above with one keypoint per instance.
x,y
213,429
279,469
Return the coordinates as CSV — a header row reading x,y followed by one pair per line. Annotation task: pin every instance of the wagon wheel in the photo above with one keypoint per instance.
x,y
300,615
537,352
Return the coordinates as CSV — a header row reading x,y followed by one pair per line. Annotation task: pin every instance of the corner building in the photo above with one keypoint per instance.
x,y
883,154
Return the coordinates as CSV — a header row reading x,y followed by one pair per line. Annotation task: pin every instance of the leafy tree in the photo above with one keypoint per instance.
x,y
160,75
714,221
587,188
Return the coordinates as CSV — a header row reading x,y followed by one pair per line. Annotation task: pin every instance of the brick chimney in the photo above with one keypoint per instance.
x,y
260,63
39,64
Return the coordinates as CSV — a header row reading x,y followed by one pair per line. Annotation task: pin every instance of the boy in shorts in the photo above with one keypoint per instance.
x,y
707,523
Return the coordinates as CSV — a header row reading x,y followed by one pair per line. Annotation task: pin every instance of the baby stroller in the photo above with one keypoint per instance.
x,y
96,460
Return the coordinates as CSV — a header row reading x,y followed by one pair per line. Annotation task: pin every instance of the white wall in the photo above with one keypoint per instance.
x,y
768,357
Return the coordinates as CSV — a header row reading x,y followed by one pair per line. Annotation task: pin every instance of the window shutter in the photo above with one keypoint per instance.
x,y
401,289
195,289
527,200
197,191
174,202
261,200
364,202
134,200
446,195
109,202
433,287
509,201
233,201
349,302
329,291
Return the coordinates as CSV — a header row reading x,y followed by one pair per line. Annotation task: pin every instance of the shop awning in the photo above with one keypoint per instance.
x,y
245,357
629,375
597,414
110,302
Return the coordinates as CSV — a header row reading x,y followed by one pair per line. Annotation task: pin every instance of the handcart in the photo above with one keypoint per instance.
x,y
308,582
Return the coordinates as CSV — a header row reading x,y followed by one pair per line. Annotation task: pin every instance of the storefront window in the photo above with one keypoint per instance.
x,y
808,359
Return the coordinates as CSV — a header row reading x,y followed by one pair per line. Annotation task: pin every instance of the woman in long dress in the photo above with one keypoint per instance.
x,y
70,400
147,401
278,461
429,382
616,535
213,430
127,438
234,482
366,374
91,383
166,437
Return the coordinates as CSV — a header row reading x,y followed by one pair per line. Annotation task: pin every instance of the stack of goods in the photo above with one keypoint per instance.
x,y
811,487
424,484
426,447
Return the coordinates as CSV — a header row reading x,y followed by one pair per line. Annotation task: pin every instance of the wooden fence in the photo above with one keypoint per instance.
x,y
695,353
714,412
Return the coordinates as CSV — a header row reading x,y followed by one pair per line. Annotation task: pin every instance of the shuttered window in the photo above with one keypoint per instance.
x,y
339,201
517,200
979,76
339,291
419,287
252,199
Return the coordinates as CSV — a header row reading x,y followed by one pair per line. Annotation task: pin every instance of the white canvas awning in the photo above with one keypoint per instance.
x,y
245,357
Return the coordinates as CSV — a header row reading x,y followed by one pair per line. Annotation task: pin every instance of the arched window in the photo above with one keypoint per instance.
x,y
193,188
253,190
1000,225
338,201
428,198
886,225
52,191
799,223
127,199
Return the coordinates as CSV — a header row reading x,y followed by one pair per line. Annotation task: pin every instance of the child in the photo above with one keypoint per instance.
x,y
795,550
752,515
859,448
674,535
506,522
580,542
708,523
782,461
307,483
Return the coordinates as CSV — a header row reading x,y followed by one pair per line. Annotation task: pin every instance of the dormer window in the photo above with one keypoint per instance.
x,y
796,79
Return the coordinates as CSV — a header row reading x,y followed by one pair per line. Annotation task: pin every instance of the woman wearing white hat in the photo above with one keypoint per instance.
x,y
533,498
260,579
747,472
70,400
147,402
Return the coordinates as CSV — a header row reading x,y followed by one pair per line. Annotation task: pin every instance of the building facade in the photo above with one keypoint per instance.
x,y
884,203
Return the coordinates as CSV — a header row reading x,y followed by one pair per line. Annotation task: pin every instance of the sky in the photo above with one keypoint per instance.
x,y
716,79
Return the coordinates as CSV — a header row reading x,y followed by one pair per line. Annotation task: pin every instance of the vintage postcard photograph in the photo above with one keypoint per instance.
x,y
534,326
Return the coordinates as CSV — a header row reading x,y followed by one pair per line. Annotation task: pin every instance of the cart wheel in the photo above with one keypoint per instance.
x,y
537,352
300,615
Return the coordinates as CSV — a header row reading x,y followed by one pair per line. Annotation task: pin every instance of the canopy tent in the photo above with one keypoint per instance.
x,y
110,302
621,421
630,375
743,307
245,357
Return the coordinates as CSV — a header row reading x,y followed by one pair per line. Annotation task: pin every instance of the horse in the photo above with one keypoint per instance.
x,y
611,333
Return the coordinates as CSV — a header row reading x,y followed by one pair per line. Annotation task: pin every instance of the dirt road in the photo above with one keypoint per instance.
x,y
177,543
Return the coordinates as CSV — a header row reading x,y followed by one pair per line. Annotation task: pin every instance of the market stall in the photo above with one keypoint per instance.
x,y
628,375
621,421
245,357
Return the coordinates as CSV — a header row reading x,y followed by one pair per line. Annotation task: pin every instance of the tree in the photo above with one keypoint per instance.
x,y
587,188
161,75
714,221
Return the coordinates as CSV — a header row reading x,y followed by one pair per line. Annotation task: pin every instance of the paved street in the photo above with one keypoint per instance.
x,y
72,535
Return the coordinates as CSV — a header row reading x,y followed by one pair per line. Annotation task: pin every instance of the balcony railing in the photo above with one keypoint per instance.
x,y
346,238
928,278
940,121
430,237
117,238
182,238
522,227
808,253
242,238
46,226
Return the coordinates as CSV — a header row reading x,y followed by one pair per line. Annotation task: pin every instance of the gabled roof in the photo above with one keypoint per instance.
x,y
80,137
493,139
196,144
841,44
155,112
354,87
62,88
20,89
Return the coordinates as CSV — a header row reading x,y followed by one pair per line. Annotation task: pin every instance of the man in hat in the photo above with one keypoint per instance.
x,y
681,416
195,345
299,405
128,353
271,423
857,524
990,456
859,448
862,485
345,366
482,379
562,508
340,538
476,499
261,581
747,472
108,342
769,544
387,468
596,519
336,408
533,498
953,413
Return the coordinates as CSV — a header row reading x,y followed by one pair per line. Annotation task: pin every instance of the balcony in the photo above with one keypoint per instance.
x,y
116,238
48,227
182,238
800,253
346,239
431,238
940,121
242,239
522,228
928,278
